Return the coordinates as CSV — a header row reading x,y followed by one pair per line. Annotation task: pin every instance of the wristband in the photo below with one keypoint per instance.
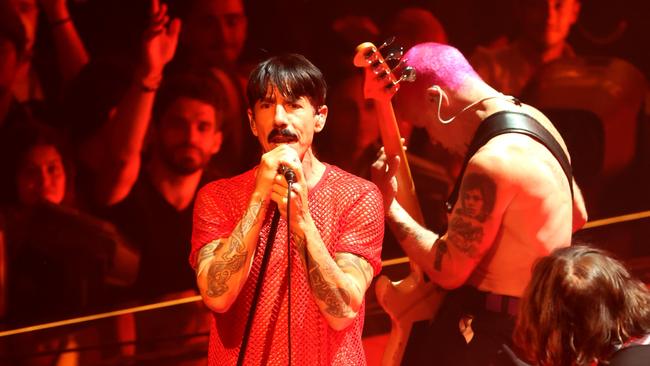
x,y
148,89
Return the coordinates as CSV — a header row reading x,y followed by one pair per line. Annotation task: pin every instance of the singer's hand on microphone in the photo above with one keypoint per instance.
x,y
288,173
271,163
274,165
298,200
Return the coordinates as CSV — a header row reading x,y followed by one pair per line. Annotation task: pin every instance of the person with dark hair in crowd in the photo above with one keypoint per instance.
x,y
156,212
582,307
110,150
351,140
514,201
336,229
413,25
51,250
214,34
213,37
544,28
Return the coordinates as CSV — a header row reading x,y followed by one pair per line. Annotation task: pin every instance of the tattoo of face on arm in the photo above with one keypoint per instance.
x,y
477,197
337,299
234,258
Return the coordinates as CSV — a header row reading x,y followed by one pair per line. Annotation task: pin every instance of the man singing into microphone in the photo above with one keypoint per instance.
x,y
304,306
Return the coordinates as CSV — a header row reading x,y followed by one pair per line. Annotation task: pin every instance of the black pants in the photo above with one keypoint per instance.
x,y
441,343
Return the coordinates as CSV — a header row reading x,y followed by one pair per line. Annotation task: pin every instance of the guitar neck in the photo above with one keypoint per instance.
x,y
391,139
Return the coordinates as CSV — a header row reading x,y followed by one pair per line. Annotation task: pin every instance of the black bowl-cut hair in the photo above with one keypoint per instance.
x,y
293,76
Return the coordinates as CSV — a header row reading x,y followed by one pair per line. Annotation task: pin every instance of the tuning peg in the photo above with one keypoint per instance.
x,y
395,55
387,43
408,74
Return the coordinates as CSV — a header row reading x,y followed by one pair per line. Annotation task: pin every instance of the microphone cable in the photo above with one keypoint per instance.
x,y
290,182
258,286
290,177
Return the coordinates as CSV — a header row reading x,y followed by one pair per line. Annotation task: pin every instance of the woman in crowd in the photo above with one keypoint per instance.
x,y
582,307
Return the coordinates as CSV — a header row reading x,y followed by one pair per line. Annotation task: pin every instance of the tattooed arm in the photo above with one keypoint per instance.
x,y
416,240
338,284
473,224
223,265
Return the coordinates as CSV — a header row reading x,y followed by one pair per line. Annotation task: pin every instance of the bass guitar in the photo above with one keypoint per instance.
x,y
411,299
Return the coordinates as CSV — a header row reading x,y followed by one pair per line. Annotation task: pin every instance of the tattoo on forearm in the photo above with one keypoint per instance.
x,y
403,231
337,299
348,260
441,249
234,258
207,252
301,244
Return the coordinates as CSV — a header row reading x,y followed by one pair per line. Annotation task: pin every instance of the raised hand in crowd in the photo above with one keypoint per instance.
x,y
114,153
159,44
70,50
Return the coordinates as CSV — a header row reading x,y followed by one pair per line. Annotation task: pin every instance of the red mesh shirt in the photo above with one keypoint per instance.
x,y
349,215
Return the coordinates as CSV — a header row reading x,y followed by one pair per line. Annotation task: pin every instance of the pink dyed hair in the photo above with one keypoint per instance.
x,y
435,64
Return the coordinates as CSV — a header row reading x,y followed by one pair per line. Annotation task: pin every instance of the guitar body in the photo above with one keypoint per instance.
x,y
407,301
411,299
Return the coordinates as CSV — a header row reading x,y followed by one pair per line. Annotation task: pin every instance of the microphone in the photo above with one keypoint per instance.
x,y
288,173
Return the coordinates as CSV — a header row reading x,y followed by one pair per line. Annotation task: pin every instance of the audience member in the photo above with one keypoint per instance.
x,y
112,153
351,140
582,307
70,51
545,25
413,25
51,250
156,209
353,127
213,38
338,45
156,212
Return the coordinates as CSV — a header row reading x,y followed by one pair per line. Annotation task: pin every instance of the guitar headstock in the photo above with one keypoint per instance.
x,y
380,80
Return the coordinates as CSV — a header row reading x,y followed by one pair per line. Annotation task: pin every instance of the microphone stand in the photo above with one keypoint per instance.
x,y
290,181
290,177
258,286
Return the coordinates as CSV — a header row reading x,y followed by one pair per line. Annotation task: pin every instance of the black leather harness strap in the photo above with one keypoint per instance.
x,y
511,122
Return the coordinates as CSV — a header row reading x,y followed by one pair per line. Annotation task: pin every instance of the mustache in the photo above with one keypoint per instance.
x,y
282,135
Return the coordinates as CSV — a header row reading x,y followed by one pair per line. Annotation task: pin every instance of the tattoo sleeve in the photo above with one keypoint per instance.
x,y
301,245
402,231
207,252
350,261
232,260
337,299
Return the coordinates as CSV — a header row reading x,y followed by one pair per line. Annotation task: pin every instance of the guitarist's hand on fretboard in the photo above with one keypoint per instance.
x,y
383,175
